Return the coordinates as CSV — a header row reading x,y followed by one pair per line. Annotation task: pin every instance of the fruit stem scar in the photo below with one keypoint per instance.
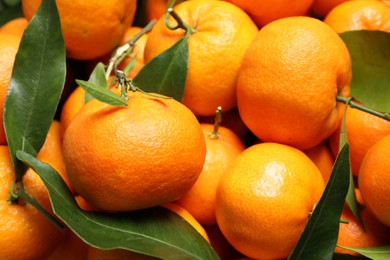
x,y
217,122
351,103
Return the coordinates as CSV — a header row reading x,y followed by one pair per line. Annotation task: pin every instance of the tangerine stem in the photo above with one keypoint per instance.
x,y
124,50
353,104
180,23
217,123
12,196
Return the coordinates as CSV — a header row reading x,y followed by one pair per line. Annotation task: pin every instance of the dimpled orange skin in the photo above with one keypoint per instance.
x,y
264,12
264,200
289,80
322,156
374,179
91,28
359,15
221,151
72,105
9,45
137,156
215,51
363,131
15,26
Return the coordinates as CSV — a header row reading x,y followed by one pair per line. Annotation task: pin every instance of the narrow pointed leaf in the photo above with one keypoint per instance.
x,y
102,94
166,73
36,85
377,253
319,237
97,77
155,231
370,55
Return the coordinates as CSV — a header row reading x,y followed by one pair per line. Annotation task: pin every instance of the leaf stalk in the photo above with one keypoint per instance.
x,y
353,104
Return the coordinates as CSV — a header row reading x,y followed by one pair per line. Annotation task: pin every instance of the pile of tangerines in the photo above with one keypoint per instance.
x,y
244,157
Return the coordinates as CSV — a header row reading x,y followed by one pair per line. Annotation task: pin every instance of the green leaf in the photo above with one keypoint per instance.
x,y
377,253
97,77
370,55
154,231
338,256
36,85
102,94
166,73
319,238
351,196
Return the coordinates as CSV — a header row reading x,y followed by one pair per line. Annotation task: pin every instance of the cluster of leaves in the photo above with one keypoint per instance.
x,y
33,99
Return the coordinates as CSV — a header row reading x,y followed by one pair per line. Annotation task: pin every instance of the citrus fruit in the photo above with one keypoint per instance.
x,y
363,131
9,45
259,207
51,152
374,179
215,51
323,7
264,12
221,150
185,214
289,79
155,9
322,156
15,26
137,156
90,29
352,234
72,105
359,15
24,232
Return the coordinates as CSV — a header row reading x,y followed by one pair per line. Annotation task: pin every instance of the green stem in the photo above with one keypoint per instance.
x,y
353,104
180,23
217,122
12,196
122,51
23,195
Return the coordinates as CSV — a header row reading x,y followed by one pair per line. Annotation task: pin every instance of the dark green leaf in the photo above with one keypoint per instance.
x,y
370,55
97,77
166,74
338,256
102,94
319,238
377,253
36,85
351,196
155,231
